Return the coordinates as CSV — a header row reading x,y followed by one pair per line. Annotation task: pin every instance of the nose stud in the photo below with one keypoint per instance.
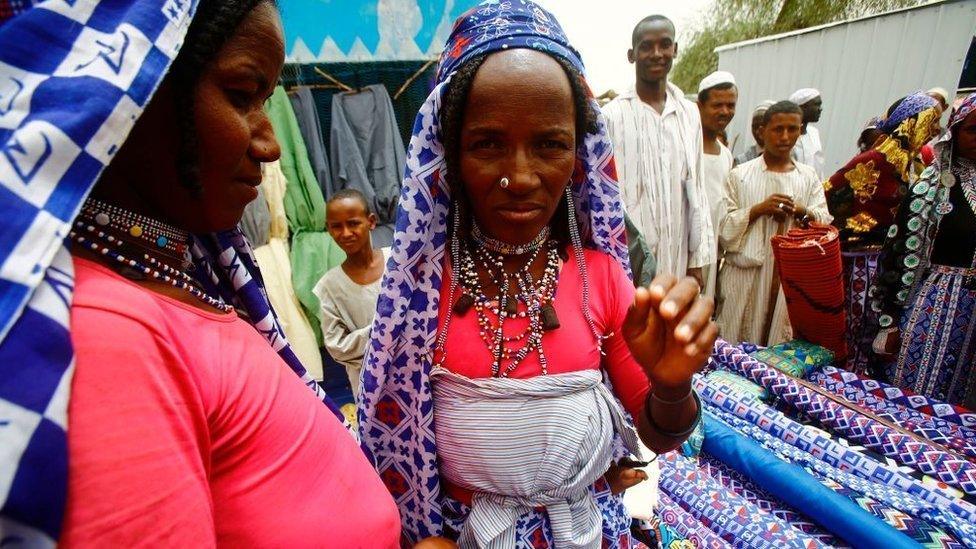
x,y
503,183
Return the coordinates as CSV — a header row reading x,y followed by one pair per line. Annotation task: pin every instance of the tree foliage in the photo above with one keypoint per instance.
x,y
731,21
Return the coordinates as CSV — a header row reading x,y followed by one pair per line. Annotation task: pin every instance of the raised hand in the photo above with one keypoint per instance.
x,y
670,332
778,206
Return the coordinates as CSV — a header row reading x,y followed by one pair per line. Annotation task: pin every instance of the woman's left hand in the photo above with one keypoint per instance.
x,y
670,332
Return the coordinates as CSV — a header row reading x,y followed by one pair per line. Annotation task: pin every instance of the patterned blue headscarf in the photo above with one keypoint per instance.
x,y
74,78
909,107
396,407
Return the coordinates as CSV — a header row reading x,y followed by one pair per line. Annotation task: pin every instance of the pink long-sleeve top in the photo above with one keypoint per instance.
x,y
186,429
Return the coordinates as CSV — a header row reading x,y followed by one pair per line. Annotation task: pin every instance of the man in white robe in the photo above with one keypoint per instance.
x,y
764,197
717,97
809,148
657,139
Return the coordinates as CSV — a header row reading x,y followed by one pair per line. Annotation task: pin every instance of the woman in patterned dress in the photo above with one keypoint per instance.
x,y
925,292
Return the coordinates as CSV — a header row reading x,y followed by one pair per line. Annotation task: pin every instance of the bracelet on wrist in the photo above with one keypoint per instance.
x,y
672,434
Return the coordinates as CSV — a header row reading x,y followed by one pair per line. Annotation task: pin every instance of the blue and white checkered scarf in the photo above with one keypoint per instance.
x,y
75,75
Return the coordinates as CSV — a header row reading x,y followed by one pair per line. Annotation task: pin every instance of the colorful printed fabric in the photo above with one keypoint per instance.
x,y
737,383
691,530
396,413
909,107
743,486
723,511
938,351
892,399
864,196
928,459
811,448
809,354
859,269
788,365
890,495
935,429
115,56
921,532
533,529
920,403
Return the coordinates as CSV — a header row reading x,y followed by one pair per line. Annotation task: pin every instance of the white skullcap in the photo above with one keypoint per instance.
x,y
941,92
714,79
803,95
763,107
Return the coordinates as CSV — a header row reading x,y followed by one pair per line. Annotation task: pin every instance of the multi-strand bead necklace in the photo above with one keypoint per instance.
x,y
508,351
142,247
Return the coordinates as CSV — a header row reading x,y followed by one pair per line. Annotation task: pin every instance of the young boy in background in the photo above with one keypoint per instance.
x,y
348,293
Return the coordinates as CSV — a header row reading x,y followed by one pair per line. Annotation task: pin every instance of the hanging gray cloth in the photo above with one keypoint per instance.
x,y
367,153
256,222
303,104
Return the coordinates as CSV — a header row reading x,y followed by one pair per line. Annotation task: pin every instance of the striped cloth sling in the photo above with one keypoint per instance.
x,y
519,444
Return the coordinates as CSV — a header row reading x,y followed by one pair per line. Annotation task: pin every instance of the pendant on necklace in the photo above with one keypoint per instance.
x,y
549,319
463,304
948,179
944,209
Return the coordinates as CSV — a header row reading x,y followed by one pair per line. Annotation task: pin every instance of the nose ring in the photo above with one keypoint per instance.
x,y
503,183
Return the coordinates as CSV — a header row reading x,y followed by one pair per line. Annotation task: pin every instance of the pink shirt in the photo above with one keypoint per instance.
x,y
187,430
572,346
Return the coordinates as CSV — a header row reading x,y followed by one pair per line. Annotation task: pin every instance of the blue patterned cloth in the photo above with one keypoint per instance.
x,y
907,108
396,408
74,78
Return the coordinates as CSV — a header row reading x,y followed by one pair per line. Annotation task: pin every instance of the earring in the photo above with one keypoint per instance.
x,y
503,183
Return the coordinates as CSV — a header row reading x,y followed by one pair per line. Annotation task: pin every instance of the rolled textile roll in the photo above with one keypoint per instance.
x,y
826,459
811,274
937,430
800,490
903,397
723,511
906,449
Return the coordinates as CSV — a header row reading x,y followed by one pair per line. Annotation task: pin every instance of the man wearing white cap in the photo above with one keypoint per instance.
x,y
717,96
809,148
657,140
756,150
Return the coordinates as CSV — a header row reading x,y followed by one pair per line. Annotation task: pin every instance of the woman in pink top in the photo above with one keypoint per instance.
x,y
187,425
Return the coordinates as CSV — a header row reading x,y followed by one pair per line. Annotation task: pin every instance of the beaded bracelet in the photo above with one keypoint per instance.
x,y
672,434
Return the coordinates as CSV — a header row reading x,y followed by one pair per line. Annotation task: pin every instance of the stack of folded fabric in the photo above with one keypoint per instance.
x,y
811,274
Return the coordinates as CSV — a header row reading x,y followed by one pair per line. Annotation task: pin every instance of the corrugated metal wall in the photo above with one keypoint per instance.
x,y
860,67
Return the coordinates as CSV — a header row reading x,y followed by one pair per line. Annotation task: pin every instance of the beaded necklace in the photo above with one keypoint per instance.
x,y
99,238
508,351
140,230
504,248
965,172
466,280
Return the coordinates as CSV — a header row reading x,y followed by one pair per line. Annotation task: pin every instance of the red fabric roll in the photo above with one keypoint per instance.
x,y
811,274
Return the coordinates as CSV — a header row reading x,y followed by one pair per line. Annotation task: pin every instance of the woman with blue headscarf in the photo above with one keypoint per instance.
x,y
863,197
147,394
510,351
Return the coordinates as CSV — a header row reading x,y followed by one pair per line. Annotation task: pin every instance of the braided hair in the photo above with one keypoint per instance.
x,y
215,22
452,118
